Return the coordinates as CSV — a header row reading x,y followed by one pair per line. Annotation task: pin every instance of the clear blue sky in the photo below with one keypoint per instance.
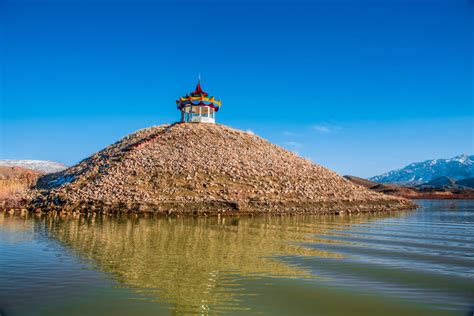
x,y
361,87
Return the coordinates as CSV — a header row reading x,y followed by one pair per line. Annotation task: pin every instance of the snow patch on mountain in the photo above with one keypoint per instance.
x,y
44,166
457,168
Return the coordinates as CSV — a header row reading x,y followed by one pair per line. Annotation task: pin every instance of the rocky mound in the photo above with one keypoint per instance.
x,y
201,169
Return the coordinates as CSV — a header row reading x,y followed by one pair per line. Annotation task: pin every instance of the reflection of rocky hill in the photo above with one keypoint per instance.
x,y
192,263
203,168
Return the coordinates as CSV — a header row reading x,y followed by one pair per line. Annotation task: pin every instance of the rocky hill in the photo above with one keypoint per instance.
x,y
202,169
457,168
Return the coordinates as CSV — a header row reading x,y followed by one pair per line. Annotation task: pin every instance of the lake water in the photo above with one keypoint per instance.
x,y
412,263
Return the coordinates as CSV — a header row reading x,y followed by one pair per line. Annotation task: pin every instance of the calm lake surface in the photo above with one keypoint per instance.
x,y
412,263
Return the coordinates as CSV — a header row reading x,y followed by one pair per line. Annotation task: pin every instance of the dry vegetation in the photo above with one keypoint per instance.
x,y
14,184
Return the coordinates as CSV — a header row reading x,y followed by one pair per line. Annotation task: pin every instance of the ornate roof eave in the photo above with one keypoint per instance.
x,y
210,105
200,99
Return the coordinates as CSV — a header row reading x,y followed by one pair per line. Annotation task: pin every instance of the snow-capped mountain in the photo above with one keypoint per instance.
x,y
39,165
457,168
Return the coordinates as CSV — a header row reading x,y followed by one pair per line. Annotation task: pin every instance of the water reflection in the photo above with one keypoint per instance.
x,y
194,264
413,263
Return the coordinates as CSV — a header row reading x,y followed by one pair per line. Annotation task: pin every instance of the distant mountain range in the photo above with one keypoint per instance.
x,y
43,166
456,168
447,183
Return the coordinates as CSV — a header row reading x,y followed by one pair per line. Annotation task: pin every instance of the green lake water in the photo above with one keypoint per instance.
x,y
410,263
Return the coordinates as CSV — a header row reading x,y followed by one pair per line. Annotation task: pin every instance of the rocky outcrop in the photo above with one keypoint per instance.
x,y
202,169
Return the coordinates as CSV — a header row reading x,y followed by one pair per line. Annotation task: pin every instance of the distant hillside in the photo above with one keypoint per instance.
x,y
439,183
43,166
361,181
24,175
383,188
439,188
457,168
467,182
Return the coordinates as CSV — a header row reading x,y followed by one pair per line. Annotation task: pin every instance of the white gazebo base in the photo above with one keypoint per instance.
x,y
202,119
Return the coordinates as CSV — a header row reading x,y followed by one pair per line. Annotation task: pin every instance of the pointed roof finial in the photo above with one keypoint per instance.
x,y
198,86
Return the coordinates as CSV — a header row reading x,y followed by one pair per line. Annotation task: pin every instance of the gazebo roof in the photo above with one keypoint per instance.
x,y
199,98
198,90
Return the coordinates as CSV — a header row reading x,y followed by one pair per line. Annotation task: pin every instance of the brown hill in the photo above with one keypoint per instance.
x,y
363,182
201,169
438,189
390,189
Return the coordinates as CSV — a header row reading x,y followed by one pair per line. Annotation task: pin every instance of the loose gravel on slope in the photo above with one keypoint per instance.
x,y
203,169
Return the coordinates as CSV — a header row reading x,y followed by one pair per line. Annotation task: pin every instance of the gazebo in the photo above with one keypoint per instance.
x,y
198,106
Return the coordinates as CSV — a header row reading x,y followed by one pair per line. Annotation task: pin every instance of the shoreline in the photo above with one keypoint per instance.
x,y
198,214
223,208
438,197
